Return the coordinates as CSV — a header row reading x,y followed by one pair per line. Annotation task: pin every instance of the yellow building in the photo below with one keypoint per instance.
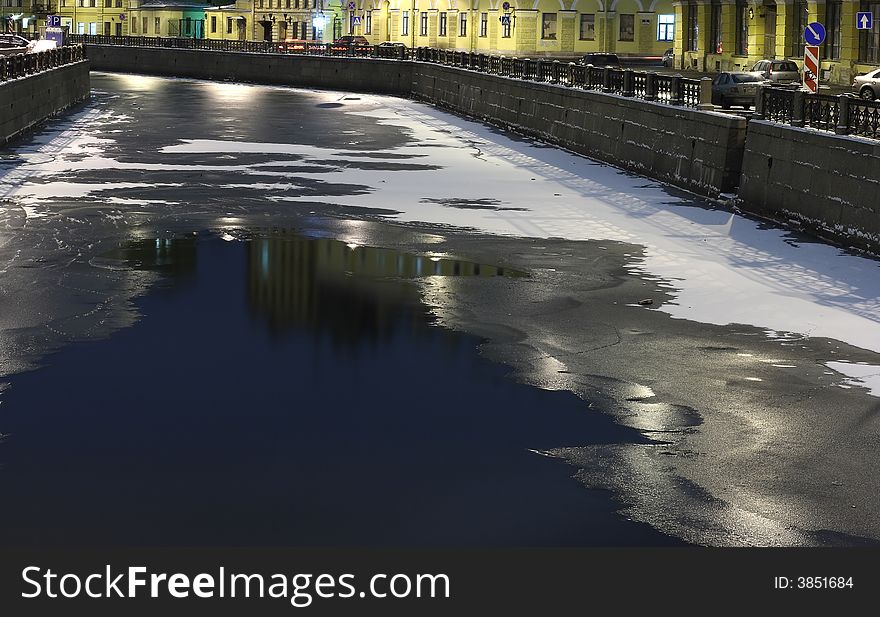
x,y
230,21
707,35
275,20
94,16
520,28
24,16
728,36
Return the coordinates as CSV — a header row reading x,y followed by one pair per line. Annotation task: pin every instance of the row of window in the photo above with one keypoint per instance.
x,y
869,40
85,4
587,32
92,28
287,4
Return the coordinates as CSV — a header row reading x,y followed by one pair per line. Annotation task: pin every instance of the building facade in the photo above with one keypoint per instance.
x,y
94,16
707,35
25,16
720,35
520,28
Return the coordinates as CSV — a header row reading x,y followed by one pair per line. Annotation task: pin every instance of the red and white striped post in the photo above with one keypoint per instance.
x,y
811,68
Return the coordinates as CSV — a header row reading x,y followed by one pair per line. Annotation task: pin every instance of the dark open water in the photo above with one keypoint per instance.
x,y
286,391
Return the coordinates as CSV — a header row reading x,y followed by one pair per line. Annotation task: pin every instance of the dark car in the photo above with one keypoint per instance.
x,y
597,59
297,45
352,39
668,58
735,89
393,44
351,42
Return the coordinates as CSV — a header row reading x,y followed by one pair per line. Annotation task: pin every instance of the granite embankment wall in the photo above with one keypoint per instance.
x,y
28,101
334,73
699,151
827,184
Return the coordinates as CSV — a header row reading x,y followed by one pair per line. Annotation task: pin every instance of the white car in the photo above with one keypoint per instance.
x,y
11,44
868,85
776,70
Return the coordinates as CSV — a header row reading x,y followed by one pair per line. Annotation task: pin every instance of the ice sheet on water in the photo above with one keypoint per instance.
x,y
726,269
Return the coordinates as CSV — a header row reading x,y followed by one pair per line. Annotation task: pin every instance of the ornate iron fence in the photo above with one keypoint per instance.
x,y
864,118
843,114
21,65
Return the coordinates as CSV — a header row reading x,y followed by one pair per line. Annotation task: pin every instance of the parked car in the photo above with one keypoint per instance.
x,y
296,45
868,85
735,88
668,58
598,59
394,44
776,70
351,41
13,44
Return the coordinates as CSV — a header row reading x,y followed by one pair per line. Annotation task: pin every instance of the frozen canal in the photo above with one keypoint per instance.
x,y
235,314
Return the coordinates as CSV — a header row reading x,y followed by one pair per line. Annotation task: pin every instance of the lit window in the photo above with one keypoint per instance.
x,y
665,27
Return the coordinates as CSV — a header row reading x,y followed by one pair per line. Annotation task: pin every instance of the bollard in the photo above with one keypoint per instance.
x,y
675,95
842,127
606,79
651,87
706,94
628,89
759,103
797,108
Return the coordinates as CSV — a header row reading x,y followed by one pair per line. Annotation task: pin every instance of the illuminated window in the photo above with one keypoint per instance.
x,y
666,27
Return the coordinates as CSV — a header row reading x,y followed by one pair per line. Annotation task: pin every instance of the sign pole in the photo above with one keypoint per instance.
x,y
811,68
814,35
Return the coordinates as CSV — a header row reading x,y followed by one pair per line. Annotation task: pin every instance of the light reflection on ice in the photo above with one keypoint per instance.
x,y
724,268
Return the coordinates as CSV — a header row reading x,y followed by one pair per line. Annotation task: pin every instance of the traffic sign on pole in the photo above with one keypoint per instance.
x,y
864,21
814,34
811,68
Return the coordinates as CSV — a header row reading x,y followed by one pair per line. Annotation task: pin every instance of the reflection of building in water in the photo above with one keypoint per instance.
x,y
348,290
175,256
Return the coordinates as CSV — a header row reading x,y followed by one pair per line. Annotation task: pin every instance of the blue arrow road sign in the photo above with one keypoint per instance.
x,y
864,21
814,34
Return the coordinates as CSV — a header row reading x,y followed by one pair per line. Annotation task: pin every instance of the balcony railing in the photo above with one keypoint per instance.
x,y
843,114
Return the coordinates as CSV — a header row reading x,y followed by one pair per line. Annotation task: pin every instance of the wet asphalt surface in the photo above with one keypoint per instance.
x,y
186,363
